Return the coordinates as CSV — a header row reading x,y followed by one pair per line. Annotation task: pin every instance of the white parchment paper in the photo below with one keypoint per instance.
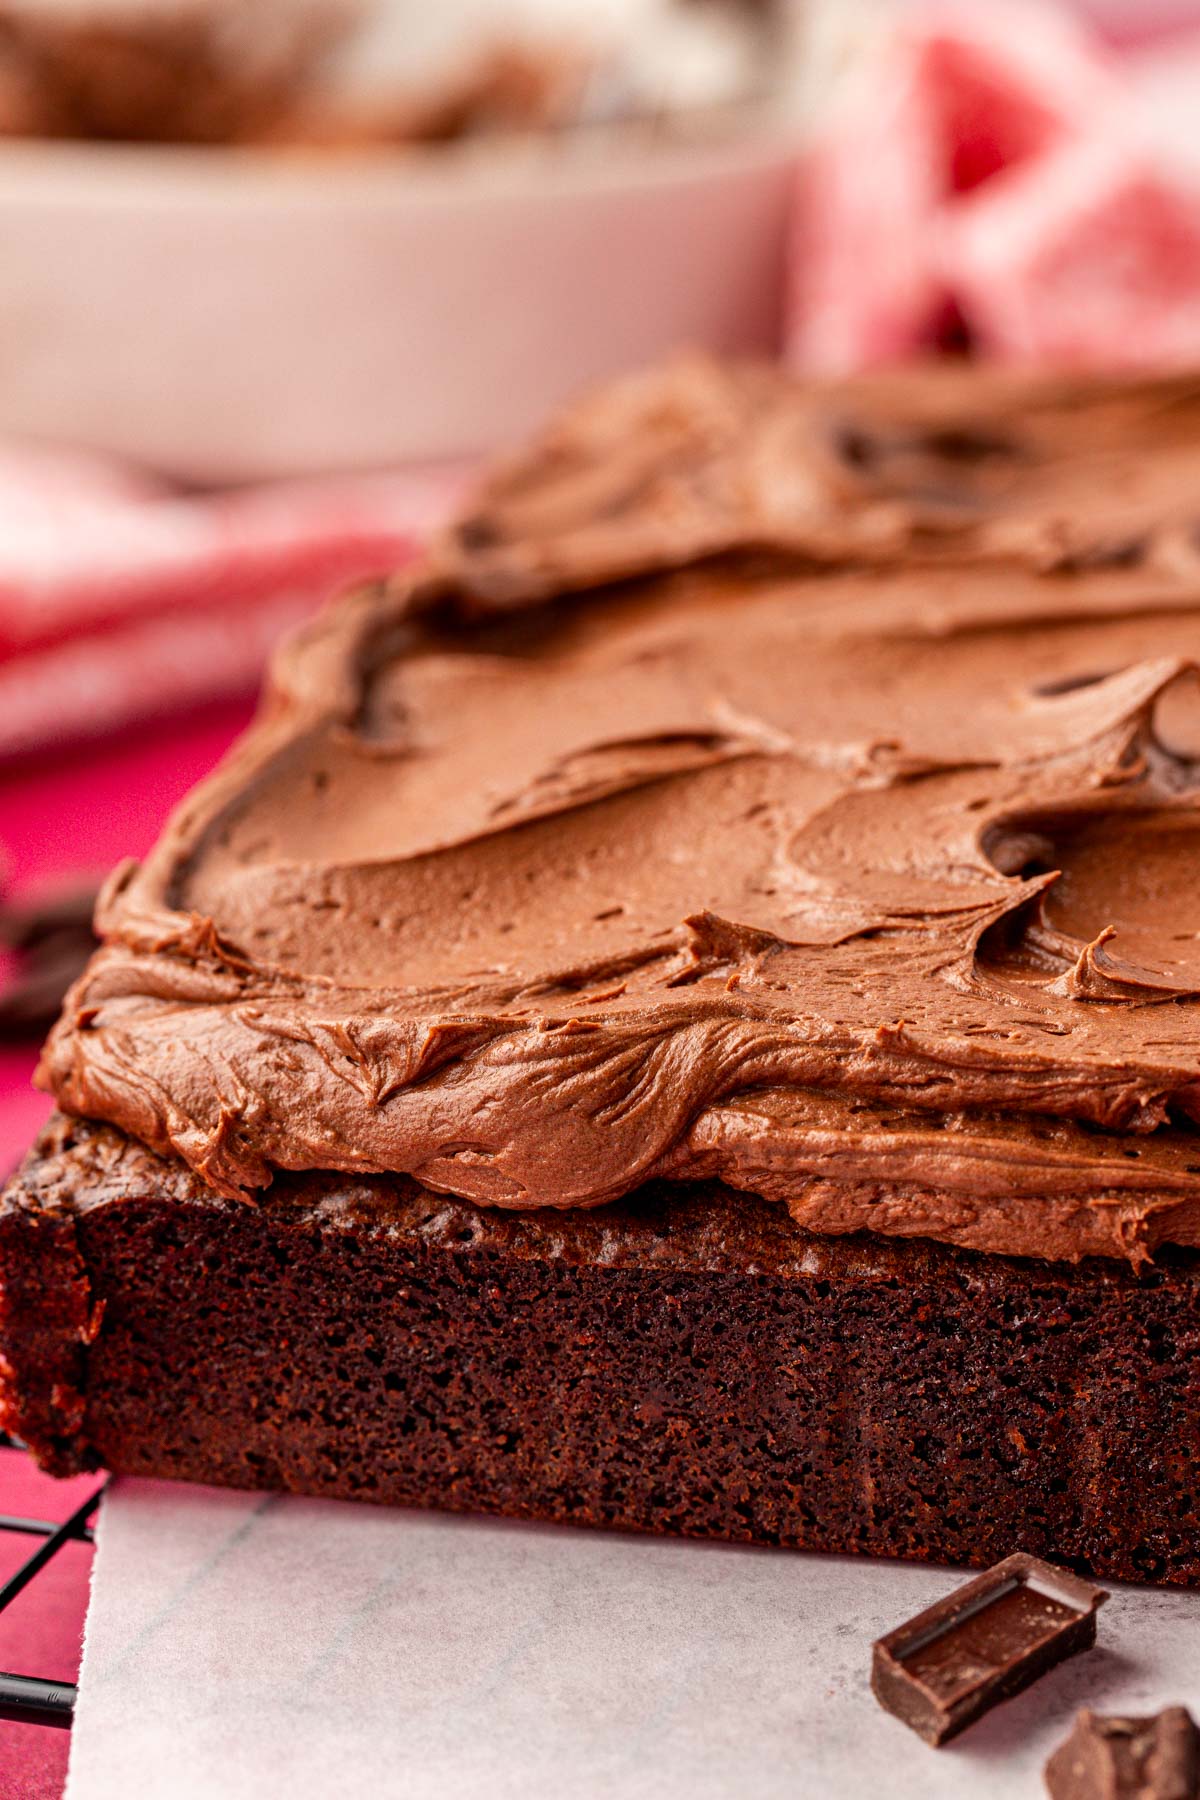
x,y
242,1646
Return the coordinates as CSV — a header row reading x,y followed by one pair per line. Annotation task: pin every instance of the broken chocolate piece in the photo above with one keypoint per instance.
x,y
1109,1758
32,1000
982,1644
50,913
51,939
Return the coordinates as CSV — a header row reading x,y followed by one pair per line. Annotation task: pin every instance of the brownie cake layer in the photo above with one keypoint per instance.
x,y
686,1360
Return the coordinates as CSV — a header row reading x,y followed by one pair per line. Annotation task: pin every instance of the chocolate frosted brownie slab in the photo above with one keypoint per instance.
x,y
687,1360
684,1010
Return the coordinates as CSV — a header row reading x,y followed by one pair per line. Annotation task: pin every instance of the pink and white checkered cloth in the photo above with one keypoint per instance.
x,y
121,597
995,168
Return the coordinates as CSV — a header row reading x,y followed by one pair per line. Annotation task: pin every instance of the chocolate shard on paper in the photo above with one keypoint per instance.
x,y
1107,1758
982,1644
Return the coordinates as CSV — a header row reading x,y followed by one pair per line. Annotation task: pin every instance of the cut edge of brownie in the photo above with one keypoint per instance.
x,y
47,1320
685,1361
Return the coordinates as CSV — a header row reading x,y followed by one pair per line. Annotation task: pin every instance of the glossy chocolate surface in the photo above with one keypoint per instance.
x,y
981,1644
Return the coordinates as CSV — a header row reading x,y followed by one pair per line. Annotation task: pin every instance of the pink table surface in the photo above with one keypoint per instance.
x,y
78,811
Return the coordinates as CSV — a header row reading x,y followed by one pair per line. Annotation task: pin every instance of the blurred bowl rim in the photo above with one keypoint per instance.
x,y
586,159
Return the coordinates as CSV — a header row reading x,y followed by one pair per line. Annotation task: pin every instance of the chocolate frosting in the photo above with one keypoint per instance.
x,y
792,786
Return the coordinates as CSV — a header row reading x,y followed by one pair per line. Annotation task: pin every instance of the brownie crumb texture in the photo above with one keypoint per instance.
x,y
684,1361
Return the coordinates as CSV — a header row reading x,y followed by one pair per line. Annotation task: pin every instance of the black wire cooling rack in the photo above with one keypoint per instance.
x,y
32,1699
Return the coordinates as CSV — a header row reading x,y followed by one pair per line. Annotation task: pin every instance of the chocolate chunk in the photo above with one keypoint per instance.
x,y
50,938
26,923
1151,1758
30,1003
982,1644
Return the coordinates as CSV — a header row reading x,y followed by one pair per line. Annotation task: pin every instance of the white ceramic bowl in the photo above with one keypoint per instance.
x,y
225,315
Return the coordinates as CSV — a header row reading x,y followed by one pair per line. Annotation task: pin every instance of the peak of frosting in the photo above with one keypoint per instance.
x,y
793,785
